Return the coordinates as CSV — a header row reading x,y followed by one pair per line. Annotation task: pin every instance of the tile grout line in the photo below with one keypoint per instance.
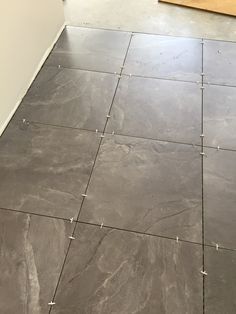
x,y
202,173
89,180
113,227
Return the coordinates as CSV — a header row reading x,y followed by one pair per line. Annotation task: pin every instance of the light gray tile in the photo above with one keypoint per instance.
x,y
45,169
69,97
164,57
158,109
91,49
220,62
147,186
33,249
109,271
220,281
220,116
220,197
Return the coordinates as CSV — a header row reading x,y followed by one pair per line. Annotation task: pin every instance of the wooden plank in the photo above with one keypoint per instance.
x,y
220,6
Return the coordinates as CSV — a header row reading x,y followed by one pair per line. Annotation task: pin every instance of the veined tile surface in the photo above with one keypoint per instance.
x,y
69,97
45,169
33,249
147,186
109,271
158,109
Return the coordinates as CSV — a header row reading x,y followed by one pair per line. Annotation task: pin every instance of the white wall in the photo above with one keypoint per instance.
x,y
28,29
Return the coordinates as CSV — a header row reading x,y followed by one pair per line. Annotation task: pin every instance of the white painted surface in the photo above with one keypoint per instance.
x,y
28,31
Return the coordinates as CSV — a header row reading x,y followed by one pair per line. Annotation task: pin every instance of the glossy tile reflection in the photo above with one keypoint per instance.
x,y
45,169
147,186
109,271
68,97
91,49
145,107
164,57
33,249
220,197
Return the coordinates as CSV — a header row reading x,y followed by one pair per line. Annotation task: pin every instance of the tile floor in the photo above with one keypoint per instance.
x,y
118,179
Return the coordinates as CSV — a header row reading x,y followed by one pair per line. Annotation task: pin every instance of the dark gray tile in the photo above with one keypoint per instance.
x,y
146,107
45,169
165,57
220,62
33,249
220,282
147,186
69,97
92,49
109,271
220,197
220,116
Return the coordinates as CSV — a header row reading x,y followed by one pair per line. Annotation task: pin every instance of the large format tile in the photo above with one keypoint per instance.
x,y
164,57
69,97
145,107
92,49
33,249
147,186
220,62
45,169
220,197
220,287
109,271
220,116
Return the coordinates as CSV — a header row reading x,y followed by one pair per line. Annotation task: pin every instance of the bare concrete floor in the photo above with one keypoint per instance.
x,y
151,17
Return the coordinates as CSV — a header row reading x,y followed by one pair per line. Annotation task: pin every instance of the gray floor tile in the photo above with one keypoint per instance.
x,y
146,107
220,116
92,49
69,97
147,186
220,281
220,62
45,169
109,271
220,197
33,249
165,57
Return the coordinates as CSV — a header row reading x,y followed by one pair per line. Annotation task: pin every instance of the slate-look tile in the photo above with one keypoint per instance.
x,y
164,57
91,49
45,169
147,186
109,271
220,281
69,97
220,62
220,197
220,116
33,249
146,107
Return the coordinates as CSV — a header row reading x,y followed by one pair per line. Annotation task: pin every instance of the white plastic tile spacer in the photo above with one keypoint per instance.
x,y
115,73
51,303
217,247
101,225
202,153
84,195
202,87
96,130
177,239
202,135
218,148
108,116
113,133
202,73
203,272
59,66
72,238
219,51
71,220
130,75
102,135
